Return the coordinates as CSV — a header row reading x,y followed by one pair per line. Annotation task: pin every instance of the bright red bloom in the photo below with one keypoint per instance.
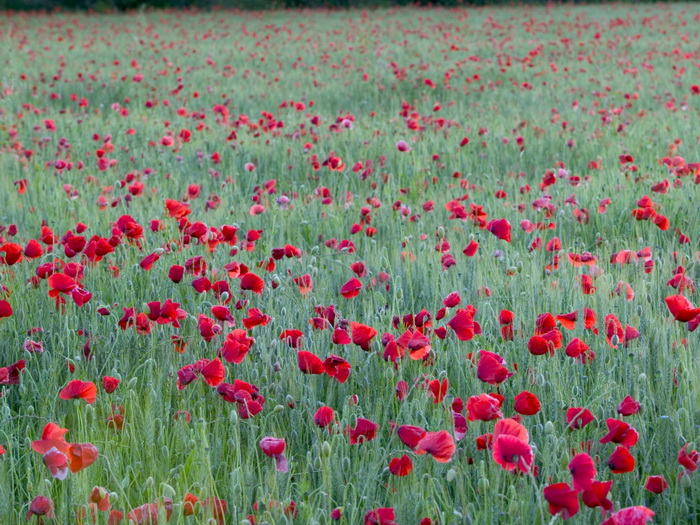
x,y
562,500
324,416
310,363
236,346
628,406
110,384
382,516
57,463
511,452
362,335
410,435
526,403
490,368
78,389
51,437
500,228
440,445
292,337
337,367
438,389
274,448
597,495
483,407
463,323
656,484
252,282
689,460
81,455
365,430
620,432
351,288
305,284
583,471
630,516
41,506
577,418
621,461
401,466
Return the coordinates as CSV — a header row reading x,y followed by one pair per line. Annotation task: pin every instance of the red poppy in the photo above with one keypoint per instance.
x,y
110,384
656,484
78,389
351,288
500,228
583,471
274,448
440,445
562,500
292,337
340,337
305,284
597,495
681,308
483,407
510,452
614,333
576,348
51,437
5,309
526,403
57,463
630,516
438,389
337,367
365,430
621,461
81,455
410,435
490,368
471,249
620,432
310,363
577,418
252,282
382,516
324,416
463,324
362,335
510,427
41,506
401,466
255,318
628,406
689,459
236,346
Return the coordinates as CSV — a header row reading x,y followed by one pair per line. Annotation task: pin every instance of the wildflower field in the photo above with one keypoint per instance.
x,y
413,266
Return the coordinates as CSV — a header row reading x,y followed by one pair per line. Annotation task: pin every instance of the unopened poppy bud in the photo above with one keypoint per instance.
x,y
685,481
149,482
642,377
549,428
191,444
132,382
211,521
168,490
451,475
246,522
615,340
519,266
278,409
290,401
173,246
483,485
317,463
225,296
513,507
457,515
159,251
326,449
276,366
440,232
346,464
30,410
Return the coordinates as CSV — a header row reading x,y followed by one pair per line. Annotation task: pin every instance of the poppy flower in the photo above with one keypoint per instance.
x,y
438,389
440,445
351,288
500,228
110,384
490,368
621,461
310,363
41,506
337,368
630,516
274,448
365,430
401,466
252,282
526,403
471,249
463,324
324,416
562,500
100,498
681,308
236,346
362,335
340,337
382,516
538,345
188,504
576,348
292,337
620,432
597,495
614,333
483,407
689,460
656,484
628,406
81,455
57,463
51,437
510,452
78,389
577,418
305,284
583,471
410,435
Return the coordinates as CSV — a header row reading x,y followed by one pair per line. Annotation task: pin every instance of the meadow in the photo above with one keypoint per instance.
x,y
417,265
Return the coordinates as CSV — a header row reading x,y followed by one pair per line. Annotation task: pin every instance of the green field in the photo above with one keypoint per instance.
x,y
237,170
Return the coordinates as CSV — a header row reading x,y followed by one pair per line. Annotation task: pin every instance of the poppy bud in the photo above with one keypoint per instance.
x,y
326,449
278,409
549,428
168,490
30,410
614,340
483,485
159,251
451,475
